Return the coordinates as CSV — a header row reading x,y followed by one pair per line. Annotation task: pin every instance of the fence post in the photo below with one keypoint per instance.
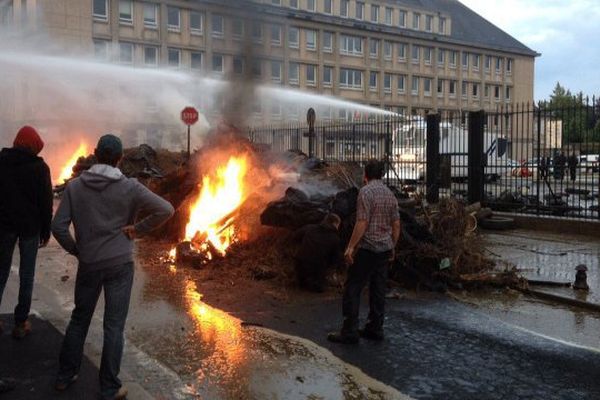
x,y
353,142
539,154
387,148
476,168
432,191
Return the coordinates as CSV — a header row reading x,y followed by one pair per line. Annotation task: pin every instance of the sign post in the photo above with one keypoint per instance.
x,y
189,116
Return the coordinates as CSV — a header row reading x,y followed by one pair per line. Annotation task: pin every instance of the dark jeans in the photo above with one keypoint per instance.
x,y
28,249
368,268
117,283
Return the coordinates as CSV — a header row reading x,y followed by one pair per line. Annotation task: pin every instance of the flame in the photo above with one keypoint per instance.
x,y
211,220
67,169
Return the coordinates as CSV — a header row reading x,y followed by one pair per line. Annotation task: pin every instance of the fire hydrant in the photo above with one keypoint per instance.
x,y
581,278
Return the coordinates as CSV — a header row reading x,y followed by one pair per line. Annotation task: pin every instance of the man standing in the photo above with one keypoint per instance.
x,y
103,206
25,215
572,162
369,252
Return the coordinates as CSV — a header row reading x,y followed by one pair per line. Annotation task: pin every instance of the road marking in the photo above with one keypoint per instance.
x,y
557,340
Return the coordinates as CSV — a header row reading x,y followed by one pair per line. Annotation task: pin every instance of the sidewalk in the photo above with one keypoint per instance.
x,y
33,362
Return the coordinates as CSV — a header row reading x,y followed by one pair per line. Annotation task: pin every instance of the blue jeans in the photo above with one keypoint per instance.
x,y
117,283
28,249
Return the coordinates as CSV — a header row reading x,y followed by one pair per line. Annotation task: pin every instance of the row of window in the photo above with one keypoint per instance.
x,y
374,13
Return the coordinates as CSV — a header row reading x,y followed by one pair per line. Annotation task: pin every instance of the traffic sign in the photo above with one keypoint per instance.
x,y
189,116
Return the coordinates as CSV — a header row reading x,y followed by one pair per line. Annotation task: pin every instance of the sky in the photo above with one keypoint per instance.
x,y
565,32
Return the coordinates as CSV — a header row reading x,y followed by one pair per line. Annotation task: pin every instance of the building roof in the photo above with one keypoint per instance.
x,y
468,27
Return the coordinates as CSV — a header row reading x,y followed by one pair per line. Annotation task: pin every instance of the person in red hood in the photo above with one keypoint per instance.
x,y
25,216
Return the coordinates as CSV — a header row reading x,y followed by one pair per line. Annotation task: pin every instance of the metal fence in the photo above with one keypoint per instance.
x,y
538,159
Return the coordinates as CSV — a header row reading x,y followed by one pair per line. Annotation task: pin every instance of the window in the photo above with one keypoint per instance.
x,y
174,58
373,48
402,22
344,8
465,60
387,83
476,61
497,92
360,10
237,28
452,88
416,52
350,78
311,75
217,63
327,76
196,60
310,5
427,55
327,7
311,39
217,26
402,51
238,65
475,90
150,15
486,91
294,72
150,56
416,21
350,45
465,89
415,86
427,86
389,15
429,23
387,50
373,81
276,109
126,11
256,68
257,33
257,108
507,94
196,23
509,64
498,65
401,84
101,50
442,25
126,53
374,13
294,3
327,42
441,57
100,9
293,37
173,19
276,35
440,87
488,62
276,71
453,58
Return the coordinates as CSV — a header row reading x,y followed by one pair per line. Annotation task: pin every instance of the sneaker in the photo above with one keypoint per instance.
x,y
62,385
7,384
21,330
342,338
369,334
121,394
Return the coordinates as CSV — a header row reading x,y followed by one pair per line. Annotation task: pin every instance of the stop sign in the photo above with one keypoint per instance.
x,y
189,116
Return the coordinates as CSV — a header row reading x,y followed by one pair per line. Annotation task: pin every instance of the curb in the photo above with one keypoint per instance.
x,y
572,226
561,299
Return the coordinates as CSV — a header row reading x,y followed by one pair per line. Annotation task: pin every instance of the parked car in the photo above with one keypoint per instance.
x,y
590,162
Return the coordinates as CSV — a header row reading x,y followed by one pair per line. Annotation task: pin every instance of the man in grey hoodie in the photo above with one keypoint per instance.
x,y
103,205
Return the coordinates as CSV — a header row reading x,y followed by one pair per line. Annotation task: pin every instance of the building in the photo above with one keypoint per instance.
x,y
408,56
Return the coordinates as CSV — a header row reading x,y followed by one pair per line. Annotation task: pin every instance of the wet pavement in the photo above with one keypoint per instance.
x,y
501,345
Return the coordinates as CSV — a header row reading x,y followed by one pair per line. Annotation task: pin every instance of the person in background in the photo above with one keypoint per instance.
x,y
369,252
103,205
25,216
543,168
572,163
319,250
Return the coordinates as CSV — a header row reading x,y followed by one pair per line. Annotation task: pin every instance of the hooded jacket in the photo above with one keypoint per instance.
x,y
25,194
100,203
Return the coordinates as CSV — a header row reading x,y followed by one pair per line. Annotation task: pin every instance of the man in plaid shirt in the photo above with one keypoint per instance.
x,y
369,252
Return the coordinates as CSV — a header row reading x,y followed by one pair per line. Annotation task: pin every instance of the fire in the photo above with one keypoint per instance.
x,y
67,170
211,216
